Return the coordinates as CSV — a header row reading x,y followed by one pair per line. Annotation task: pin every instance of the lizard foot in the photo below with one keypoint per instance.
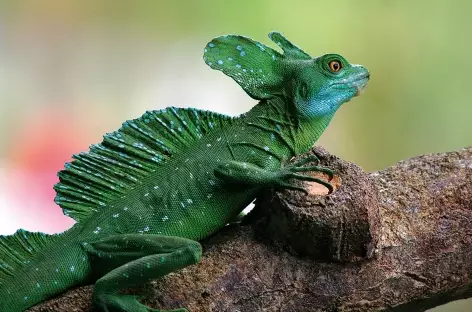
x,y
291,172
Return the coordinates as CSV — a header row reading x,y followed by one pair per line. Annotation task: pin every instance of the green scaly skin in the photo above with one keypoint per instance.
x,y
145,196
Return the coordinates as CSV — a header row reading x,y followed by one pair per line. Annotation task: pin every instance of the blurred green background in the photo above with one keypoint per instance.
x,y
72,70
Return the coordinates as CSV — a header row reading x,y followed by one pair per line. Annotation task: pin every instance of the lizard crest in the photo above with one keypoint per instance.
x,y
315,87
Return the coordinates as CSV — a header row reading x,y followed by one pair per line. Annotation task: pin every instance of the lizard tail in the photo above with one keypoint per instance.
x,y
36,266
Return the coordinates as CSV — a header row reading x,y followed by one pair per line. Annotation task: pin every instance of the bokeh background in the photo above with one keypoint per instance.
x,y
72,70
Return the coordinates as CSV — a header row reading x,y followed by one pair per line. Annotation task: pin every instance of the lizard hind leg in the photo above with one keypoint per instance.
x,y
130,260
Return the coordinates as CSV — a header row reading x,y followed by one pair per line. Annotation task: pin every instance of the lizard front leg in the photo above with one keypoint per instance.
x,y
246,173
130,260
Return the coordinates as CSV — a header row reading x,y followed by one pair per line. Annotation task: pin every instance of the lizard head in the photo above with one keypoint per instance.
x,y
318,87
313,87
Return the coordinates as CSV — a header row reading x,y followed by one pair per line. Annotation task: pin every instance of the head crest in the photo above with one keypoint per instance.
x,y
253,65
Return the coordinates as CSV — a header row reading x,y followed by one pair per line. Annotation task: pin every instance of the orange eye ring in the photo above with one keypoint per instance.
x,y
335,66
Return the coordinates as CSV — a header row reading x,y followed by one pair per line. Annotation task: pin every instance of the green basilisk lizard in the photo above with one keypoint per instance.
x,y
147,194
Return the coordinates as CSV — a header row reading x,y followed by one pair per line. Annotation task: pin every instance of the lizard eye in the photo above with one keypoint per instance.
x,y
335,66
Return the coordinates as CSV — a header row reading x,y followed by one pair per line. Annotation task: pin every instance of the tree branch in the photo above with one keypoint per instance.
x,y
398,239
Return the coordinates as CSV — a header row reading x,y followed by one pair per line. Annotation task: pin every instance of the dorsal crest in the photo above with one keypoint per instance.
x,y
94,179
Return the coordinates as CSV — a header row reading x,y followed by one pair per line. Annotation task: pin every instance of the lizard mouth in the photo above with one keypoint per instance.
x,y
357,81
360,82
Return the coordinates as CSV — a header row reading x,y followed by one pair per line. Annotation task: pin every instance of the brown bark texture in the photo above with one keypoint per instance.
x,y
399,239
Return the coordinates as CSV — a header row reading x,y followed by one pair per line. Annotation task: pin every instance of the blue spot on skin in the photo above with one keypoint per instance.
x,y
238,66
220,62
242,53
37,285
273,57
266,148
57,270
25,298
260,70
244,69
239,47
211,45
210,63
72,269
230,59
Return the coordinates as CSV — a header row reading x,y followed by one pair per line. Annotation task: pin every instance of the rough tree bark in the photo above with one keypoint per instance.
x,y
398,239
